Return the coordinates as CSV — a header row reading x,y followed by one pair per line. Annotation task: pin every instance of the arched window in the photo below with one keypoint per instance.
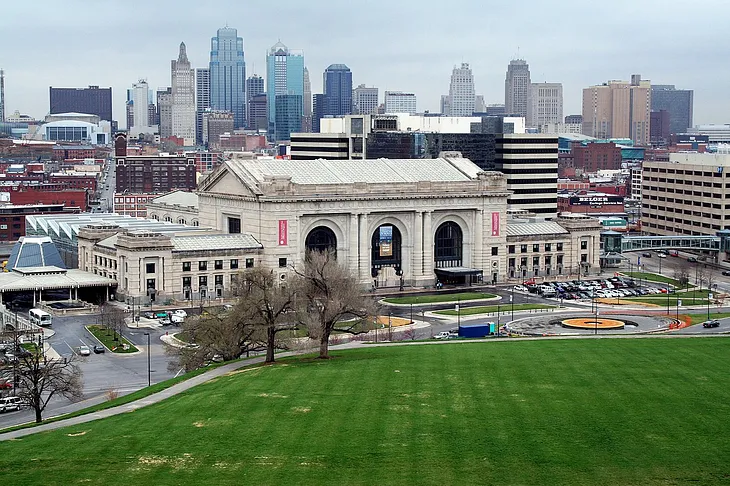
x,y
386,247
181,221
448,245
321,238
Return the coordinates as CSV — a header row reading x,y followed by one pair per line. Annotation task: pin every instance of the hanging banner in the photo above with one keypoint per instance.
x,y
495,224
283,232
386,241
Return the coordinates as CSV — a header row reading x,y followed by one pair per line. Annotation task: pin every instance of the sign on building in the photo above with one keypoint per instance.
x,y
386,241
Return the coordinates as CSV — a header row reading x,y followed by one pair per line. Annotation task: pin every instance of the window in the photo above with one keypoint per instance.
x,y
219,264
548,247
583,258
583,245
234,264
495,251
535,247
150,267
560,259
187,282
186,266
282,262
234,225
202,265
523,248
559,246
219,281
511,249
203,281
150,284
249,262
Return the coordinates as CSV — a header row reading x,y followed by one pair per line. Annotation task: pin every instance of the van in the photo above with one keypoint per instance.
x,y
10,403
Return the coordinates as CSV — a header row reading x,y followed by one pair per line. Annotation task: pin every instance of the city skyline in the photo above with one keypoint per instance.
x,y
403,59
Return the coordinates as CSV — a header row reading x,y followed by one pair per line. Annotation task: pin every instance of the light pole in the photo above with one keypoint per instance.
x,y
512,302
595,317
390,326
498,316
411,314
458,312
149,367
709,297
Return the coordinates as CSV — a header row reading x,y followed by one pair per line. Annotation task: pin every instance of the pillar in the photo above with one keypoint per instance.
x,y
478,256
353,251
364,249
417,265
428,263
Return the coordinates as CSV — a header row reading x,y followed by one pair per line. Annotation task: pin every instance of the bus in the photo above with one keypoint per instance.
x,y
40,318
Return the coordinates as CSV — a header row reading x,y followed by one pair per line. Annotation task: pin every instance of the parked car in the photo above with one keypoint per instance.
x,y
6,385
84,350
10,403
177,319
180,312
442,335
646,254
99,349
165,321
712,323
148,315
692,260
726,273
673,253
520,288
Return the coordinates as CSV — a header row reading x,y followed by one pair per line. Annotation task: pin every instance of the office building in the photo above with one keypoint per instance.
x,y
364,100
530,162
686,195
254,86
318,110
313,146
183,98
517,88
92,100
215,124
337,82
307,108
595,156
140,109
228,74
479,105
618,109
495,110
164,112
202,100
660,127
461,99
155,174
257,116
284,83
545,104
679,103
400,102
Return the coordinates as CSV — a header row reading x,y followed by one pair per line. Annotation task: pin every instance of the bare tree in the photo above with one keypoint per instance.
x,y
40,378
328,295
681,273
115,319
266,305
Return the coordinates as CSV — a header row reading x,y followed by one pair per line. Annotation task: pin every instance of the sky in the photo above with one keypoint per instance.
x,y
404,45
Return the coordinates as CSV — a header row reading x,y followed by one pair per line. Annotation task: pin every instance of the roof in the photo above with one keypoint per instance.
x,y
531,228
34,252
74,278
109,242
237,241
322,171
178,198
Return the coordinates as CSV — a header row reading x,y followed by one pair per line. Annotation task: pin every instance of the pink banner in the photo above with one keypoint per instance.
x,y
283,232
495,224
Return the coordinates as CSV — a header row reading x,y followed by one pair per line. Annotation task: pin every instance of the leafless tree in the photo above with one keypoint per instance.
x,y
681,273
116,321
328,294
40,378
266,305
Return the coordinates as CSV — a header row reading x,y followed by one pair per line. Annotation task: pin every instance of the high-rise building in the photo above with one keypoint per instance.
x,y
215,124
228,74
618,109
254,87
164,111
307,118
257,115
364,100
140,103
545,104
461,91
517,88
337,82
570,119
400,102
284,81
677,102
183,97
202,100
92,100
479,105
318,110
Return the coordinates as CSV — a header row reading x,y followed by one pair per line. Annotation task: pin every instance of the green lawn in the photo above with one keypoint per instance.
x,y
107,339
699,318
609,412
653,277
439,298
485,309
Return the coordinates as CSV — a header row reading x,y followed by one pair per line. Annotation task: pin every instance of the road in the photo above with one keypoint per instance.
x,y
670,266
107,186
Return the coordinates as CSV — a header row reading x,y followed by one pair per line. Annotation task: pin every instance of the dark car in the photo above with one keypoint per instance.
x,y
712,323
646,254
99,349
692,260
726,273
148,315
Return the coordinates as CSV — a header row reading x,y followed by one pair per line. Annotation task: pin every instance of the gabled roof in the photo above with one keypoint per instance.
x,y
519,228
178,198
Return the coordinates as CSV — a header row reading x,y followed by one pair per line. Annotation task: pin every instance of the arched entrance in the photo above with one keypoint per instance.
x,y
321,239
385,257
448,255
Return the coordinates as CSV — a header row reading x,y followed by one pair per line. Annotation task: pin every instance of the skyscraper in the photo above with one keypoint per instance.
x,y
183,97
517,87
92,100
337,82
228,75
140,102
400,102
164,111
285,78
545,104
461,91
254,88
618,109
202,100
307,112
364,100
678,102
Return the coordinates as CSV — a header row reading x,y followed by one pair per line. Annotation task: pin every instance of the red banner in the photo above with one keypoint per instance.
x,y
495,224
283,232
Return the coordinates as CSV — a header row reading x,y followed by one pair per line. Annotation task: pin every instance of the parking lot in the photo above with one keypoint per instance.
x,y
613,287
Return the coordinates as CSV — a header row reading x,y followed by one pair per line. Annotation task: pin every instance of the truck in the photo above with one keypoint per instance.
x,y
476,330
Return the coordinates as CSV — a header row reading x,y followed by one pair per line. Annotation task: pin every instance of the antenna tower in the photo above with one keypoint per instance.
x,y
2,95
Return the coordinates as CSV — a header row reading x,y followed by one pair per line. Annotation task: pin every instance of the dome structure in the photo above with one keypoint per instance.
x,y
34,251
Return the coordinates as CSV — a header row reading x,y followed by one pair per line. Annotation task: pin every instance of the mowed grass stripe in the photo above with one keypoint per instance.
x,y
613,411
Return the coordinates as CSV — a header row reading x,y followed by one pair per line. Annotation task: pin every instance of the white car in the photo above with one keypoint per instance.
x,y
521,288
442,335
84,350
10,403
180,313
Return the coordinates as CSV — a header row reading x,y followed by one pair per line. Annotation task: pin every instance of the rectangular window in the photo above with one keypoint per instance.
x,y
187,282
583,245
282,262
535,247
203,281
219,280
583,258
186,266
219,264
150,284
150,267
560,259
234,225
535,261
559,246
548,247
495,251
202,265
511,249
249,262
523,248
234,264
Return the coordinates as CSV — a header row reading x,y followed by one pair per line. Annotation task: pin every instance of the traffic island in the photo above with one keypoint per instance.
x,y
112,340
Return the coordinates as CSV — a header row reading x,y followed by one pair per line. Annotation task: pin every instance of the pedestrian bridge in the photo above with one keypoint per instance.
x,y
614,242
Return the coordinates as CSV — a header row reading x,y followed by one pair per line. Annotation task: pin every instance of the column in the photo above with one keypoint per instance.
x,y
353,251
479,259
417,265
428,263
364,249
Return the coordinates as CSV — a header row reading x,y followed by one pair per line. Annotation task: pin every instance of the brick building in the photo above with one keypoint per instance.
x,y
47,193
155,174
590,202
75,180
595,156
130,204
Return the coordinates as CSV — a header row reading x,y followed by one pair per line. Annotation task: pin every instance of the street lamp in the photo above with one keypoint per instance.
x,y
149,367
709,297
595,317
411,313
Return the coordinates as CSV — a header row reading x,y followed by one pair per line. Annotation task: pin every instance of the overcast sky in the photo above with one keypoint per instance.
x,y
395,45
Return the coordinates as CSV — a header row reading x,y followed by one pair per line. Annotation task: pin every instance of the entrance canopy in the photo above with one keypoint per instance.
x,y
458,272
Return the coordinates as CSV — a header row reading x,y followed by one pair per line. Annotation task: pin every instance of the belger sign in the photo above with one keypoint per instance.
x,y
595,200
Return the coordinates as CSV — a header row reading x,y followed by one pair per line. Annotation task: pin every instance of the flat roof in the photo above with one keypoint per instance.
x,y
36,279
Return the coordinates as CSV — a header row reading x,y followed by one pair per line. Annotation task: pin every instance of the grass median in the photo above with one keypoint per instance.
x,y
439,298
487,309
653,277
120,345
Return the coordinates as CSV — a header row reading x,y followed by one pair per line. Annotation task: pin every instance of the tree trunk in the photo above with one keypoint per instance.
x,y
38,417
324,343
270,344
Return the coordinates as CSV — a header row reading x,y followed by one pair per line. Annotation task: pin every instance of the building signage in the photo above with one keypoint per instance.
x,y
595,200
495,224
283,232
386,241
